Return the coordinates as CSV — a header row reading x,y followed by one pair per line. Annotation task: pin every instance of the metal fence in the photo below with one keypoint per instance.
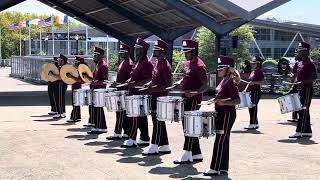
x,y
5,62
28,68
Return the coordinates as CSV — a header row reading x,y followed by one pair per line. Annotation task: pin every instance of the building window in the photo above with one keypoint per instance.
x,y
262,34
283,36
279,52
63,45
265,51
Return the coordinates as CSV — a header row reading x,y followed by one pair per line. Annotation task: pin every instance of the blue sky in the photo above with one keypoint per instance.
x,y
306,11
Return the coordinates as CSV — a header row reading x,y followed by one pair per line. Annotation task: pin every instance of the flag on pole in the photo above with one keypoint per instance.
x,y
45,23
23,24
14,26
59,21
65,19
34,22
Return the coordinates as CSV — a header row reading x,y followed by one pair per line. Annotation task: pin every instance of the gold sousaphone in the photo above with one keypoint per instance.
x,y
85,70
69,69
47,70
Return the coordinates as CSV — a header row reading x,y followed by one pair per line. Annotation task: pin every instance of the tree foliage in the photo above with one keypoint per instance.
x,y
177,59
315,54
207,50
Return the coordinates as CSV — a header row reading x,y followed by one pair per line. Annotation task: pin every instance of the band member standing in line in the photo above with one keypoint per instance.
x,y
51,86
306,75
123,75
295,114
100,74
60,89
76,111
226,114
256,79
161,79
140,75
194,83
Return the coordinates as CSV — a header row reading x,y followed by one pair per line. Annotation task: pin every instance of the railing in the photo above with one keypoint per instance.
x,y
5,62
28,68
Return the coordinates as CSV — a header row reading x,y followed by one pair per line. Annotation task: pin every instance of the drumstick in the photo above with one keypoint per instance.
x,y
285,82
213,101
244,81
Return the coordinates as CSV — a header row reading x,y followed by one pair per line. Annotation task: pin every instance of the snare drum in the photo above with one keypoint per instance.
x,y
170,108
99,96
138,105
79,97
115,101
245,100
199,123
290,103
88,99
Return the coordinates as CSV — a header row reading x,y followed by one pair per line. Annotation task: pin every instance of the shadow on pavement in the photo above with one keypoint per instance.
x,y
46,120
46,115
95,143
288,123
180,171
83,137
78,129
302,141
253,131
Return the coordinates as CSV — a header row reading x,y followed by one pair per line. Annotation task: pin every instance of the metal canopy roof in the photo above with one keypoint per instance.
x,y
5,4
167,19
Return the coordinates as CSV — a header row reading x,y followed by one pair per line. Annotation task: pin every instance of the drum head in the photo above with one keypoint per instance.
x,y
84,69
51,68
43,75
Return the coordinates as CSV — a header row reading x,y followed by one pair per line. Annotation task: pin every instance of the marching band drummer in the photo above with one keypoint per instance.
x,y
60,89
306,75
76,111
161,79
194,83
123,75
100,74
256,79
51,86
294,89
226,114
140,75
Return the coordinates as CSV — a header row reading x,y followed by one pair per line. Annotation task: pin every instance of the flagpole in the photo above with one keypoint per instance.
x,y
108,48
29,41
68,37
20,41
52,35
86,40
40,42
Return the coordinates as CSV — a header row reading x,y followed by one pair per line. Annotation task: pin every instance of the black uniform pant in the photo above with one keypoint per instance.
x,y
121,123
255,98
76,111
191,143
98,118
60,89
159,131
90,121
142,124
220,156
304,125
53,103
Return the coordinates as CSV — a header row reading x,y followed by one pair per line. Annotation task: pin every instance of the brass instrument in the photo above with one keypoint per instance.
x,y
69,69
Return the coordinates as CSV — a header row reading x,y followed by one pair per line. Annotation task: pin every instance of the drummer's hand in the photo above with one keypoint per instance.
x,y
251,83
219,102
114,84
69,75
50,73
190,94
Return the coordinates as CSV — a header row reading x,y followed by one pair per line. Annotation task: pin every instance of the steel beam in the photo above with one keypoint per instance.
x,y
139,20
202,18
9,3
93,22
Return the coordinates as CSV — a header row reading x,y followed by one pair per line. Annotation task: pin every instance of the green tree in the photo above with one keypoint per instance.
x,y
177,59
207,50
315,54
206,40
113,61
